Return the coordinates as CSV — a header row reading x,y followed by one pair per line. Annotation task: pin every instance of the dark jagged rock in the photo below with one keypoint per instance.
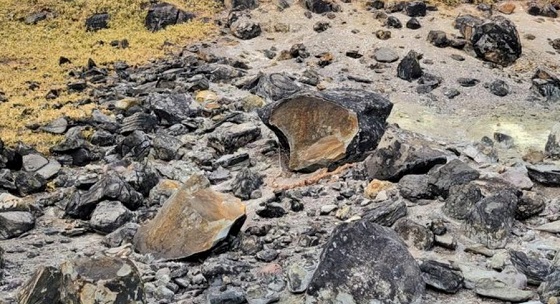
x,y
409,67
365,262
415,9
536,270
97,22
29,183
162,15
275,86
441,276
328,128
138,122
42,287
172,108
240,5
546,174
103,138
414,234
542,9
108,216
393,22
166,147
453,173
75,145
270,210
7,180
529,205
122,235
496,41
550,288
136,145
395,159
320,27
15,223
110,187
415,187
498,87
491,221
545,86
245,28
245,182
229,296
438,38
200,217
467,82
413,24
552,147
322,6
461,200
228,137
428,83
386,214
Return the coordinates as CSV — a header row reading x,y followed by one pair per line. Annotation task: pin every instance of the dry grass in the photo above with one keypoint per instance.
x,y
31,53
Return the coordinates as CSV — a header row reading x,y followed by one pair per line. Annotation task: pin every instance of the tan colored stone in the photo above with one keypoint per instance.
x,y
191,221
206,96
252,102
333,129
376,186
506,8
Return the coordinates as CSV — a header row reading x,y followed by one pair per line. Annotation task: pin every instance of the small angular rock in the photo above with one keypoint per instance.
x,y
441,276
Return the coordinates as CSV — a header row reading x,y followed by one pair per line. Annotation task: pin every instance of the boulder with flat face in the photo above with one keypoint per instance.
x,y
196,215
326,129
366,263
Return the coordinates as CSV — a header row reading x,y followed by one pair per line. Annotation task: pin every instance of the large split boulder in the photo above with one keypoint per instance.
x,y
325,129
495,40
198,216
366,263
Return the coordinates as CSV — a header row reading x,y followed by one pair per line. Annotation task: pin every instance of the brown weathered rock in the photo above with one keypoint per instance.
x,y
101,280
506,7
328,128
196,215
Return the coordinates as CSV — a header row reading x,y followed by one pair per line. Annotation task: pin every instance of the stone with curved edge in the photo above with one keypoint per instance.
x,y
329,128
191,221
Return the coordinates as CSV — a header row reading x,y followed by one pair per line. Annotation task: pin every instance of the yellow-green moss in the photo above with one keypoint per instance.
x,y
31,53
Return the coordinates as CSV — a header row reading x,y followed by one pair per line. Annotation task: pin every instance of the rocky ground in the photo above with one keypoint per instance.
x,y
314,152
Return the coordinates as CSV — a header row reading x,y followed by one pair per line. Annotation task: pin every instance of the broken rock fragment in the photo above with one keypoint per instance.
x,y
196,215
366,263
325,129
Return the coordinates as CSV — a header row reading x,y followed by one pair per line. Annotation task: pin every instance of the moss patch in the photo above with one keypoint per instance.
x,y
30,54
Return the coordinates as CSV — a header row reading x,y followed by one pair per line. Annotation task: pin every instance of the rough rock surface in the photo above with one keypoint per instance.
x,y
197,215
346,124
370,263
